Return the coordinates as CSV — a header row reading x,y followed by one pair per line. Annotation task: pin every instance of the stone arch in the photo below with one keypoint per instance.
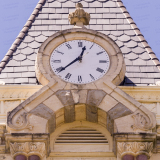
x,y
41,110
66,126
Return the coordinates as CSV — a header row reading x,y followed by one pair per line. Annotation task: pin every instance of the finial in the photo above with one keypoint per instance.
x,y
79,18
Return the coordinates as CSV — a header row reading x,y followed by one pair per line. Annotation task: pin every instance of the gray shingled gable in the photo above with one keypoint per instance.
x,y
106,17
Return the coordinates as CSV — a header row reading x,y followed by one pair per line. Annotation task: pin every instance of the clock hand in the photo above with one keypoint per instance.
x,y
81,55
77,59
63,68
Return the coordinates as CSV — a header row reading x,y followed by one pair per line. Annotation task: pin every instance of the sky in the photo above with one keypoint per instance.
x,y
15,13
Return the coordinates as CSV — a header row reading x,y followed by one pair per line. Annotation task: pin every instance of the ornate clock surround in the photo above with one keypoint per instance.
x,y
116,70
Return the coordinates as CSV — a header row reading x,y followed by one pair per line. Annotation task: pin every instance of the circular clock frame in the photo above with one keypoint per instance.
x,y
79,61
44,72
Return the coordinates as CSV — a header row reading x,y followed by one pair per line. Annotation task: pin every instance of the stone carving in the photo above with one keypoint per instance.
x,y
28,148
79,16
20,123
142,122
135,148
2,149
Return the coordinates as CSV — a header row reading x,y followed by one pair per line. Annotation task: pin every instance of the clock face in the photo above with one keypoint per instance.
x,y
79,61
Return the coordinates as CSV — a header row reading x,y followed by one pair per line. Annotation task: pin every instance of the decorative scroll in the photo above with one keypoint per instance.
x,y
142,122
37,148
135,148
21,122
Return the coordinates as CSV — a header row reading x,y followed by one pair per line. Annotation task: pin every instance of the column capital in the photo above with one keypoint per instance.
x,y
135,148
27,144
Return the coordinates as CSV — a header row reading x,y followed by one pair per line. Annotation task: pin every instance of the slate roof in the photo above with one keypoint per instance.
x,y
107,16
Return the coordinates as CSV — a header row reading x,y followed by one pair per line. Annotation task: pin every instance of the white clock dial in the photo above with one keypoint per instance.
x,y
79,61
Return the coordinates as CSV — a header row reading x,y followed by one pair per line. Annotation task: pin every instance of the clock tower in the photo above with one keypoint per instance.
x,y
80,111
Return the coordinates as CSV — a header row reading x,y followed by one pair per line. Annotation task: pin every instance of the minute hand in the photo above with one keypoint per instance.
x,y
63,68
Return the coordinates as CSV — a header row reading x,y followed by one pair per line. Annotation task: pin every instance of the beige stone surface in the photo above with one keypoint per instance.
x,y
6,156
81,148
83,157
105,87
79,96
107,103
80,112
59,117
39,124
151,107
53,103
38,100
155,156
102,117
124,124
124,101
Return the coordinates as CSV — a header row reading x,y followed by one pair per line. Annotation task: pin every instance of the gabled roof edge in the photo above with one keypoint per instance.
x,y
21,35
139,34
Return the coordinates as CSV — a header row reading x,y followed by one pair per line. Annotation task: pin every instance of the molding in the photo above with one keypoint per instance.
x,y
146,94
82,154
17,92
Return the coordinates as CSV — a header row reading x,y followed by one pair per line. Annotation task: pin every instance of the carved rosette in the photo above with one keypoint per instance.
x,y
28,148
134,148
79,16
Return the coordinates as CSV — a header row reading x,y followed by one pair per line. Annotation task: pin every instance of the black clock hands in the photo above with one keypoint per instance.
x,y
79,58
63,68
81,55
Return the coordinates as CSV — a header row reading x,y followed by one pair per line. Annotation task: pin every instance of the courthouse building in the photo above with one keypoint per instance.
x,y
80,82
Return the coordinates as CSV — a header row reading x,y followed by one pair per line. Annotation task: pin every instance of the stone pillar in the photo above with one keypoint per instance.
x,y
142,157
20,157
33,157
128,157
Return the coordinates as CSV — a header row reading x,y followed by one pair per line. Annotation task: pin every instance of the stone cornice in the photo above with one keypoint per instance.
x,y
13,92
148,94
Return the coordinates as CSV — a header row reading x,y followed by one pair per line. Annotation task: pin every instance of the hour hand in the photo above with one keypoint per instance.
x,y
81,55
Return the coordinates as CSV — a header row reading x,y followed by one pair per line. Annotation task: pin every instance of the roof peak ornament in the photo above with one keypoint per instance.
x,y
79,18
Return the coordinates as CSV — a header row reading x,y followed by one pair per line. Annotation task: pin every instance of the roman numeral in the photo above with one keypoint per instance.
x,y
91,76
58,69
68,76
59,52
100,70
100,53
56,61
79,79
91,46
102,61
69,47
80,44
